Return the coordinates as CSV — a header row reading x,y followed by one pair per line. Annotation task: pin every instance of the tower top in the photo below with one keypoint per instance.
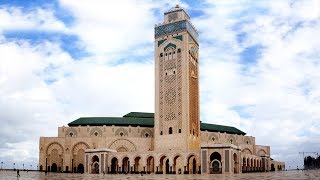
x,y
175,14
175,20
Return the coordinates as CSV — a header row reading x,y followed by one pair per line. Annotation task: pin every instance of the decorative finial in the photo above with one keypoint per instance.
x,y
177,6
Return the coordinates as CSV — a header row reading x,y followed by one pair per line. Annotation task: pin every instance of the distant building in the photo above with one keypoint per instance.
x,y
171,141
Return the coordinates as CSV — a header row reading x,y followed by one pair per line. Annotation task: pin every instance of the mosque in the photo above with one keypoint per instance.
x,y
172,140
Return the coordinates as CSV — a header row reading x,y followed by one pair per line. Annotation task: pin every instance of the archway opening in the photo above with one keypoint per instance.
x,y
235,163
192,165
272,167
177,165
162,165
167,166
150,165
215,161
54,167
114,165
125,165
244,165
80,168
137,164
95,165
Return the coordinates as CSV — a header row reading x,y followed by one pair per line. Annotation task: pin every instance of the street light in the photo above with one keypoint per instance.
x,y
14,165
1,165
30,166
23,166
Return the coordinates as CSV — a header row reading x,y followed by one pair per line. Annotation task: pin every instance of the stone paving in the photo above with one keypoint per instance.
x,y
311,174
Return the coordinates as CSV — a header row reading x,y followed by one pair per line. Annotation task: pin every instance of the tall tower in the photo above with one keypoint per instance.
x,y
177,124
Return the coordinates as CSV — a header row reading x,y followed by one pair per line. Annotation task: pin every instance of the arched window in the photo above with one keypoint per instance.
x,y
179,50
170,130
161,54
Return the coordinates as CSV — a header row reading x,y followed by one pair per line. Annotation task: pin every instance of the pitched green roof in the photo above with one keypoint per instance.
x,y
139,115
144,120
220,128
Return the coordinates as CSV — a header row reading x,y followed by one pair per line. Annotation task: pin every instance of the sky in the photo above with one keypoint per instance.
x,y
65,59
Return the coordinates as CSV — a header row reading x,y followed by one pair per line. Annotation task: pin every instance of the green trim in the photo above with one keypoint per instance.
x,y
139,115
161,41
170,45
178,37
145,120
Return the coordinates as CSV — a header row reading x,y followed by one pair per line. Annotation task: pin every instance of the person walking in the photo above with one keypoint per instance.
x,y
18,173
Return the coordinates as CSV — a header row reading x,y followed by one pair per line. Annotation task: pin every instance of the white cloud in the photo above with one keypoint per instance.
x,y
13,18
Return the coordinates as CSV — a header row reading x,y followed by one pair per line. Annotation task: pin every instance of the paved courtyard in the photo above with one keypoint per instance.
x,y
312,174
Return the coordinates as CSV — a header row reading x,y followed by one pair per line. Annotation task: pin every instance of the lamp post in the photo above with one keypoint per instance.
x,y
1,165
22,166
14,165
30,166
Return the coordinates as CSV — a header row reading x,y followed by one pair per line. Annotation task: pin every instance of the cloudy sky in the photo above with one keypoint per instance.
x,y
64,59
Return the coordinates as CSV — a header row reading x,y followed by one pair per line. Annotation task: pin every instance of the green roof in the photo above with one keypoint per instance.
x,y
139,115
144,120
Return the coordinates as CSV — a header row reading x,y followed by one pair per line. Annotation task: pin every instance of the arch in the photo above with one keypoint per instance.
x,y
178,164
261,152
170,130
78,154
215,163
150,164
80,168
215,155
169,45
114,165
215,167
235,163
163,164
71,132
246,151
125,165
121,132
122,149
213,138
146,131
95,164
79,145
192,164
95,132
244,164
54,167
137,164
231,139
272,167
54,145
247,140
122,143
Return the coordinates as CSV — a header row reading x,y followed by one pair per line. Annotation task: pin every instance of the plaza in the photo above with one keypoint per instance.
x,y
35,175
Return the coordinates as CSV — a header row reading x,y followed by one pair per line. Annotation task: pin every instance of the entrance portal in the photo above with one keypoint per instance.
x,y
54,167
80,168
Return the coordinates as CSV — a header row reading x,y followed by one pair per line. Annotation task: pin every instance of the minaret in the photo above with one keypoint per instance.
x,y
177,124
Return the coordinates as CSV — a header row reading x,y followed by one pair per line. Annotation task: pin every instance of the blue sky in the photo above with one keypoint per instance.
x,y
64,59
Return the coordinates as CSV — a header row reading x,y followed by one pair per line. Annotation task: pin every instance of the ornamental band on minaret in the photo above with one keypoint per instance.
x,y
170,141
